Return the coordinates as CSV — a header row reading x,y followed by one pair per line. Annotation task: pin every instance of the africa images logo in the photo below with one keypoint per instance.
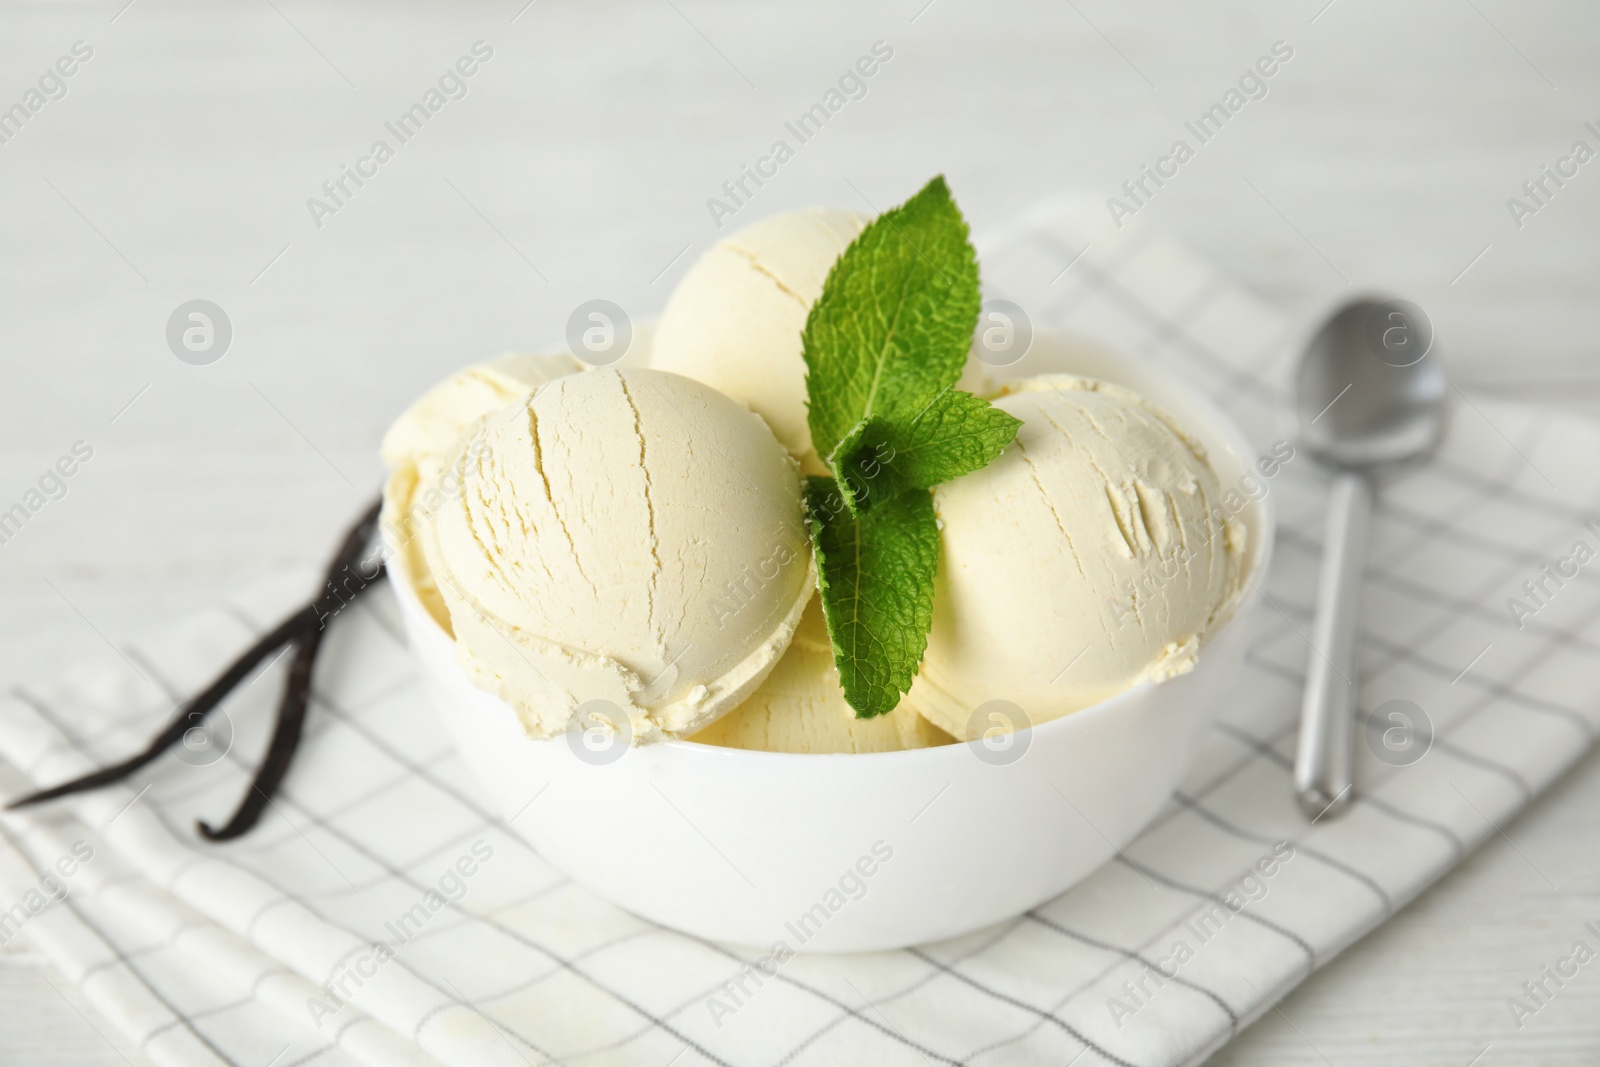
x,y
452,85
852,85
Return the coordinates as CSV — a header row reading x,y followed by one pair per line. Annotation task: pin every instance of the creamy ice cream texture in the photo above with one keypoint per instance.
x,y
630,536
735,320
415,449
1092,555
800,708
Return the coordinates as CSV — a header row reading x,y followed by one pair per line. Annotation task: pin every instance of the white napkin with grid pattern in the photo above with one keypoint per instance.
x,y
383,914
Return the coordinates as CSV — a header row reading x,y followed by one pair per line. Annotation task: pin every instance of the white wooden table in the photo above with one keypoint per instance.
x,y
179,163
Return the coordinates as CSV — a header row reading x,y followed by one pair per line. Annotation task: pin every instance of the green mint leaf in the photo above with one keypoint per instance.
x,y
956,433
875,574
895,319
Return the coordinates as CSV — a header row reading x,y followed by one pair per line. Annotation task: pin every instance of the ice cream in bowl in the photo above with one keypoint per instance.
x,y
783,639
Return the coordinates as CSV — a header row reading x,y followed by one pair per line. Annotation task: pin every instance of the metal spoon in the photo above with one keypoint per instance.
x,y
1369,399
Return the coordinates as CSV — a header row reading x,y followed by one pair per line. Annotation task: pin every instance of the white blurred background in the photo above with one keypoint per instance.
x,y
178,164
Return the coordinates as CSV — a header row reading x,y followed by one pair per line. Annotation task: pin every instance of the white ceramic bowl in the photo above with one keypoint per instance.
x,y
842,853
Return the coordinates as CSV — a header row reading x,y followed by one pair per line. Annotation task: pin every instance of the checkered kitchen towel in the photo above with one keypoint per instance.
x,y
382,913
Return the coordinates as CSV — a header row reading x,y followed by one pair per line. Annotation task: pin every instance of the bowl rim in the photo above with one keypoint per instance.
x,y
1221,429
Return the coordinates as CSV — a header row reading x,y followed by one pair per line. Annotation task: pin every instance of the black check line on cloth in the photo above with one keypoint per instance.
x,y
557,976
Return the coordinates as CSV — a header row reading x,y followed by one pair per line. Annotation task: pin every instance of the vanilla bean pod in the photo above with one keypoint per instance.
x,y
285,739
189,715
296,699
298,627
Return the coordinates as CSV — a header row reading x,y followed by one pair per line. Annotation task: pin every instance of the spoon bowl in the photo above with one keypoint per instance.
x,y
1367,394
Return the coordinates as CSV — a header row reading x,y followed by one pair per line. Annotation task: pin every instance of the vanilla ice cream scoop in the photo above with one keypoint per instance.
x,y
630,536
800,708
429,428
415,448
1092,555
735,320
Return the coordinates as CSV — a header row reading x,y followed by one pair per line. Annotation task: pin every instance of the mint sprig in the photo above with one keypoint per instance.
x,y
876,573
894,322
884,346
956,433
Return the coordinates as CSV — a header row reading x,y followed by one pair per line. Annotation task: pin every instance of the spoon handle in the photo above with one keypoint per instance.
x,y
1322,781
